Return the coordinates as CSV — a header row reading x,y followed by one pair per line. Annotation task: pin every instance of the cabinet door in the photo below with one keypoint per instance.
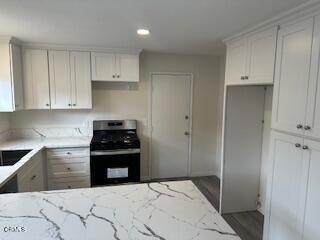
x,y
236,61
261,57
16,74
292,76
127,68
312,212
36,79
80,80
313,106
37,177
288,188
103,66
60,82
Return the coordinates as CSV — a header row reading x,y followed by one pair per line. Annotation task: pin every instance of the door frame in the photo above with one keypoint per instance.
x,y
150,117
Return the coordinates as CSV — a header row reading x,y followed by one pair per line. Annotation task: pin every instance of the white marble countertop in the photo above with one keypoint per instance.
x,y
19,144
163,211
36,145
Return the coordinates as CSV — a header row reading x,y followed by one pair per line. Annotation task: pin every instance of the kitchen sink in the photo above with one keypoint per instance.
x,y
9,158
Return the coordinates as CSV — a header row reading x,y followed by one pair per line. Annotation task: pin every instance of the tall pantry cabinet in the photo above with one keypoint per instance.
x,y
293,192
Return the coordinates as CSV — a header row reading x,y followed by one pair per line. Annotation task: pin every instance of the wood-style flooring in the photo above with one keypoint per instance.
x,y
248,225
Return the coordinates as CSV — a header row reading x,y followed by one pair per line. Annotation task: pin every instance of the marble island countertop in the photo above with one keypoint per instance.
x,y
163,211
36,145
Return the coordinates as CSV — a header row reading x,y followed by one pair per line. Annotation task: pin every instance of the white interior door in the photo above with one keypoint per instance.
x,y
171,100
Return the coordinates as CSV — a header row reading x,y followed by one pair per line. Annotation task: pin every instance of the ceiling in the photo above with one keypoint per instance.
x,y
177,26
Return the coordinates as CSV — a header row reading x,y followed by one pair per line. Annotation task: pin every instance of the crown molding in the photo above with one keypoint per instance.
x,y
73,47
309,8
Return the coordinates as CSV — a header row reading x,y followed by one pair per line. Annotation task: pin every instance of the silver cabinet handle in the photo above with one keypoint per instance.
x,y
298,145
307,128
305,147
299,126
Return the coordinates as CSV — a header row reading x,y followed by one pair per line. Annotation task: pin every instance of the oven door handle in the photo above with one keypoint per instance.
x,y
115,152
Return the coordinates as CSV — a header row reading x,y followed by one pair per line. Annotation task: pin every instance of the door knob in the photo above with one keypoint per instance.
x,y
298,145
305,147
307,127
186,133
299,126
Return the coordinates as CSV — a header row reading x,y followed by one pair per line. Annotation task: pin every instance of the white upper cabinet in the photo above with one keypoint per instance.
x,y
312,124
81,92
115,67
261,57
292,76
36,79
288,188
11,88
103,66
127,67
16,74
236,61
60,79
251,59
70,83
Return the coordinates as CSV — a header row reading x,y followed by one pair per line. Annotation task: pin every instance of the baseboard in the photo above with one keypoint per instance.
x,y
204,173
145,178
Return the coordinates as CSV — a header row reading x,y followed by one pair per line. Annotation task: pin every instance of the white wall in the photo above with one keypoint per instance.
x,y
123,101
265,160
222,66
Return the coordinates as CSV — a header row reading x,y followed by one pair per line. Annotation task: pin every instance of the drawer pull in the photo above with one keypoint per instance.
x,y
69,186
69,153
33,177
69,169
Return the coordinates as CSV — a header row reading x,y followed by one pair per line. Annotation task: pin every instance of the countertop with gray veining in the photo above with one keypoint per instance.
x,y
165,211
36,145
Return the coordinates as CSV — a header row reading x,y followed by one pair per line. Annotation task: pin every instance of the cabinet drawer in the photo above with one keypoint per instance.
x,y
68,169
70,183
67,152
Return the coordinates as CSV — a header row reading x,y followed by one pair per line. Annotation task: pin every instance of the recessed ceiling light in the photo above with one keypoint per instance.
x,y
143,32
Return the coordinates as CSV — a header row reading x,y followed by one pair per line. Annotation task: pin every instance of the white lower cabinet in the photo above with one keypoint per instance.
x,y
311,229
68,168
31,177
293,196
69,183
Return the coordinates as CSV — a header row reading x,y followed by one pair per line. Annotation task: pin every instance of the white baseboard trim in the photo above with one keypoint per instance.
x,y
145,178
204,173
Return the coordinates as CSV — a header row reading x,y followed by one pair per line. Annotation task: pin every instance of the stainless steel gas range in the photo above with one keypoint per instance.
x,y
114,152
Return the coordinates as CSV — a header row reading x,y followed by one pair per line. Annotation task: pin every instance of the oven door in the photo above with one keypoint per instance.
x,y
115,166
